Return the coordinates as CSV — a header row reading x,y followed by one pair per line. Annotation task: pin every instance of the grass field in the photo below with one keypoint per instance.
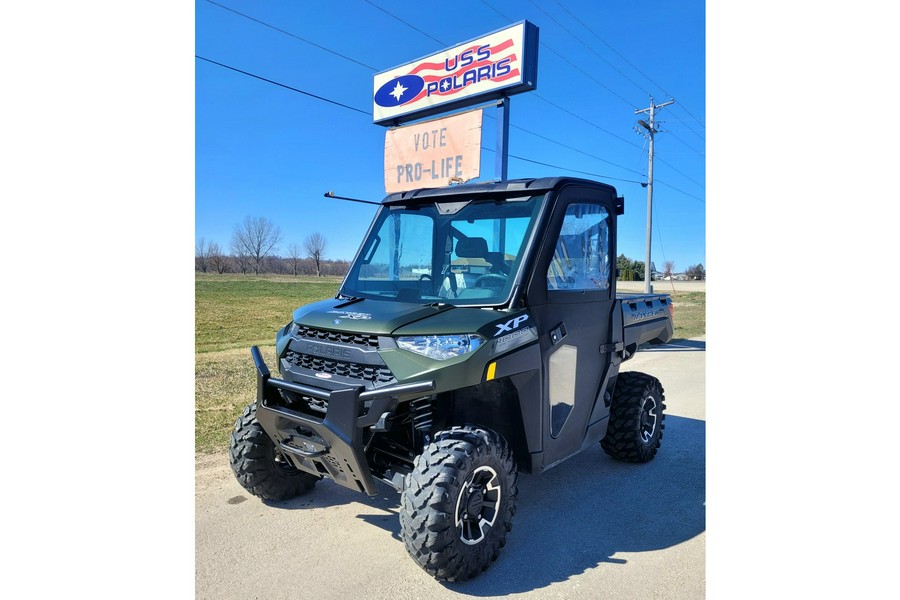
x,y
234,312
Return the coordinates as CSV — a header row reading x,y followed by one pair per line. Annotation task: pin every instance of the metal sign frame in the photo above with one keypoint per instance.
x,y
472,60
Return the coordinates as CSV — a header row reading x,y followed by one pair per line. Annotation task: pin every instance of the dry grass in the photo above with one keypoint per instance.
x,y
690,314
224,383
239,311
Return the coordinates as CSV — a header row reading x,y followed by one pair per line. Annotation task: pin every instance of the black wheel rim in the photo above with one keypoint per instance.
x,y
478,505
649,419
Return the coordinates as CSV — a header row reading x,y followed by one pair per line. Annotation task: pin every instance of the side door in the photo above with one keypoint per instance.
x,y
571,295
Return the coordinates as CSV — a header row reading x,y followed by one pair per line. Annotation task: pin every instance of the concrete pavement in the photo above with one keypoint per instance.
x,y
590,528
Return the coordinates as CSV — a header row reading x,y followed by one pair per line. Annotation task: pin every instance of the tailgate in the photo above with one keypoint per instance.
x,y
646,318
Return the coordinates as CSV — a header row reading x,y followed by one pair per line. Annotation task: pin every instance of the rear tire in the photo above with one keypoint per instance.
x,y
636,418
259,467
457,503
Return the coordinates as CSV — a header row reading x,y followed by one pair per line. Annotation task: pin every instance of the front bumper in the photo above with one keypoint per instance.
x,y
331,445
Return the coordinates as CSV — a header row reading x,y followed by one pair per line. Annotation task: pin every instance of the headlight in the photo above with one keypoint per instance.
x,y
283,337
441,347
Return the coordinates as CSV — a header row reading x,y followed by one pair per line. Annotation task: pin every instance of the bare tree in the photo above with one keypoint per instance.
x,y
253,240
218,262
670,268
201,256
315,249
696,271
295,255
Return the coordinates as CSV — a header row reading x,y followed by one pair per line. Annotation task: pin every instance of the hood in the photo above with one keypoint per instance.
x,y
373,317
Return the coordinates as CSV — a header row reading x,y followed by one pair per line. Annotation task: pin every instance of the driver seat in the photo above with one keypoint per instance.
x,y
475,247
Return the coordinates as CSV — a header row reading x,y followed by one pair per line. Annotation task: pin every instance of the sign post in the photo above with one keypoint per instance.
x,y
501,161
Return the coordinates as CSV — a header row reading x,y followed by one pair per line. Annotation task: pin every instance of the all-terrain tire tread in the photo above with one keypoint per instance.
x,y
429,496
623,439
251,455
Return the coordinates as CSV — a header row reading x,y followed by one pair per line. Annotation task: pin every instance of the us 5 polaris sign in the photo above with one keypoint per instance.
x,y
498,64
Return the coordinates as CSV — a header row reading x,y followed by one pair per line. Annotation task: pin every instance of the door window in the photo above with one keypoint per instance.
x,y
581,260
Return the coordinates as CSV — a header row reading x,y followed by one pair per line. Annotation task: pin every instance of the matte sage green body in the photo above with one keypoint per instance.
x,y
506,319
396,319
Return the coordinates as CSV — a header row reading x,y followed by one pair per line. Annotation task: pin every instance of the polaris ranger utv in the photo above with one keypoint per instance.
x,y
477,334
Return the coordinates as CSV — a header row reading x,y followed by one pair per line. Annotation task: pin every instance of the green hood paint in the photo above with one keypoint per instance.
x,y
372,317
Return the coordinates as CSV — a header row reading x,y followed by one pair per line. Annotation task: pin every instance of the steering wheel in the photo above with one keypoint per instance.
x,y
500,279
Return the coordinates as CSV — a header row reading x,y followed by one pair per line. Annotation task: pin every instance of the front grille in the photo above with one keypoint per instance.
x,y
312,407
355,339
373,373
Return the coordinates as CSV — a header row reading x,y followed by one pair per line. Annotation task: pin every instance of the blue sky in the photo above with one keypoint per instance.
x,y
108,159
263,150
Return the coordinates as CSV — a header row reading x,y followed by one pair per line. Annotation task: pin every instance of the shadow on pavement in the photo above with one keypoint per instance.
x,y
591,507
578,514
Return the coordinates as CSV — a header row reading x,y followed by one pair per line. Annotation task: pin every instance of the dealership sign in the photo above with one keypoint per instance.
x,y
498,64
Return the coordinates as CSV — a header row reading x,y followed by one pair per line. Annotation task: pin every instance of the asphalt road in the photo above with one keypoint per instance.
x,y
590,528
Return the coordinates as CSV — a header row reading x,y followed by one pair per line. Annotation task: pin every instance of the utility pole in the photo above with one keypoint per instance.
x,y
651,129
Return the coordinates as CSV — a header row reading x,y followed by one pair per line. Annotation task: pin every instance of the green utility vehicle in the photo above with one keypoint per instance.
x,y
477,334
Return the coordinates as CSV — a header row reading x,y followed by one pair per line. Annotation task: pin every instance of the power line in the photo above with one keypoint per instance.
x,y
566,29
620,55
588,75
598,175
405,23
576,149
703,125
688,127
546,164
536,94
293,89
686,144
591,31
680,173
297,37
661,182
586,121
566,60
369,114
317,97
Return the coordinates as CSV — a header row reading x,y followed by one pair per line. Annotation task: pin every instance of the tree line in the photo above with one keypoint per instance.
x,y
633,270
254,249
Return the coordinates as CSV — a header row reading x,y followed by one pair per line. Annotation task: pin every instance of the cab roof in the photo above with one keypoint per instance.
x,y
503,188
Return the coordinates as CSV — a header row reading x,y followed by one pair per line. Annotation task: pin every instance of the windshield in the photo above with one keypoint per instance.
x,y
462,252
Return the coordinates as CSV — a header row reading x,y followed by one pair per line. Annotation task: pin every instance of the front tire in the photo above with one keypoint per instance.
x,y
636,418
457,503
259,467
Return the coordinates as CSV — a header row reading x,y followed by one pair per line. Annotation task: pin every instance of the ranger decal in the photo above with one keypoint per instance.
x,y
647,314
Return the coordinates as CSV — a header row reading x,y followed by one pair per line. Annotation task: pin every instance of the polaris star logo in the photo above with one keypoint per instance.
x,y
399,91
510,325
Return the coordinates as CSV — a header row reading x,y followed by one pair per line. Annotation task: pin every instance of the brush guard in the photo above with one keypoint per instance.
x,y
331,446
